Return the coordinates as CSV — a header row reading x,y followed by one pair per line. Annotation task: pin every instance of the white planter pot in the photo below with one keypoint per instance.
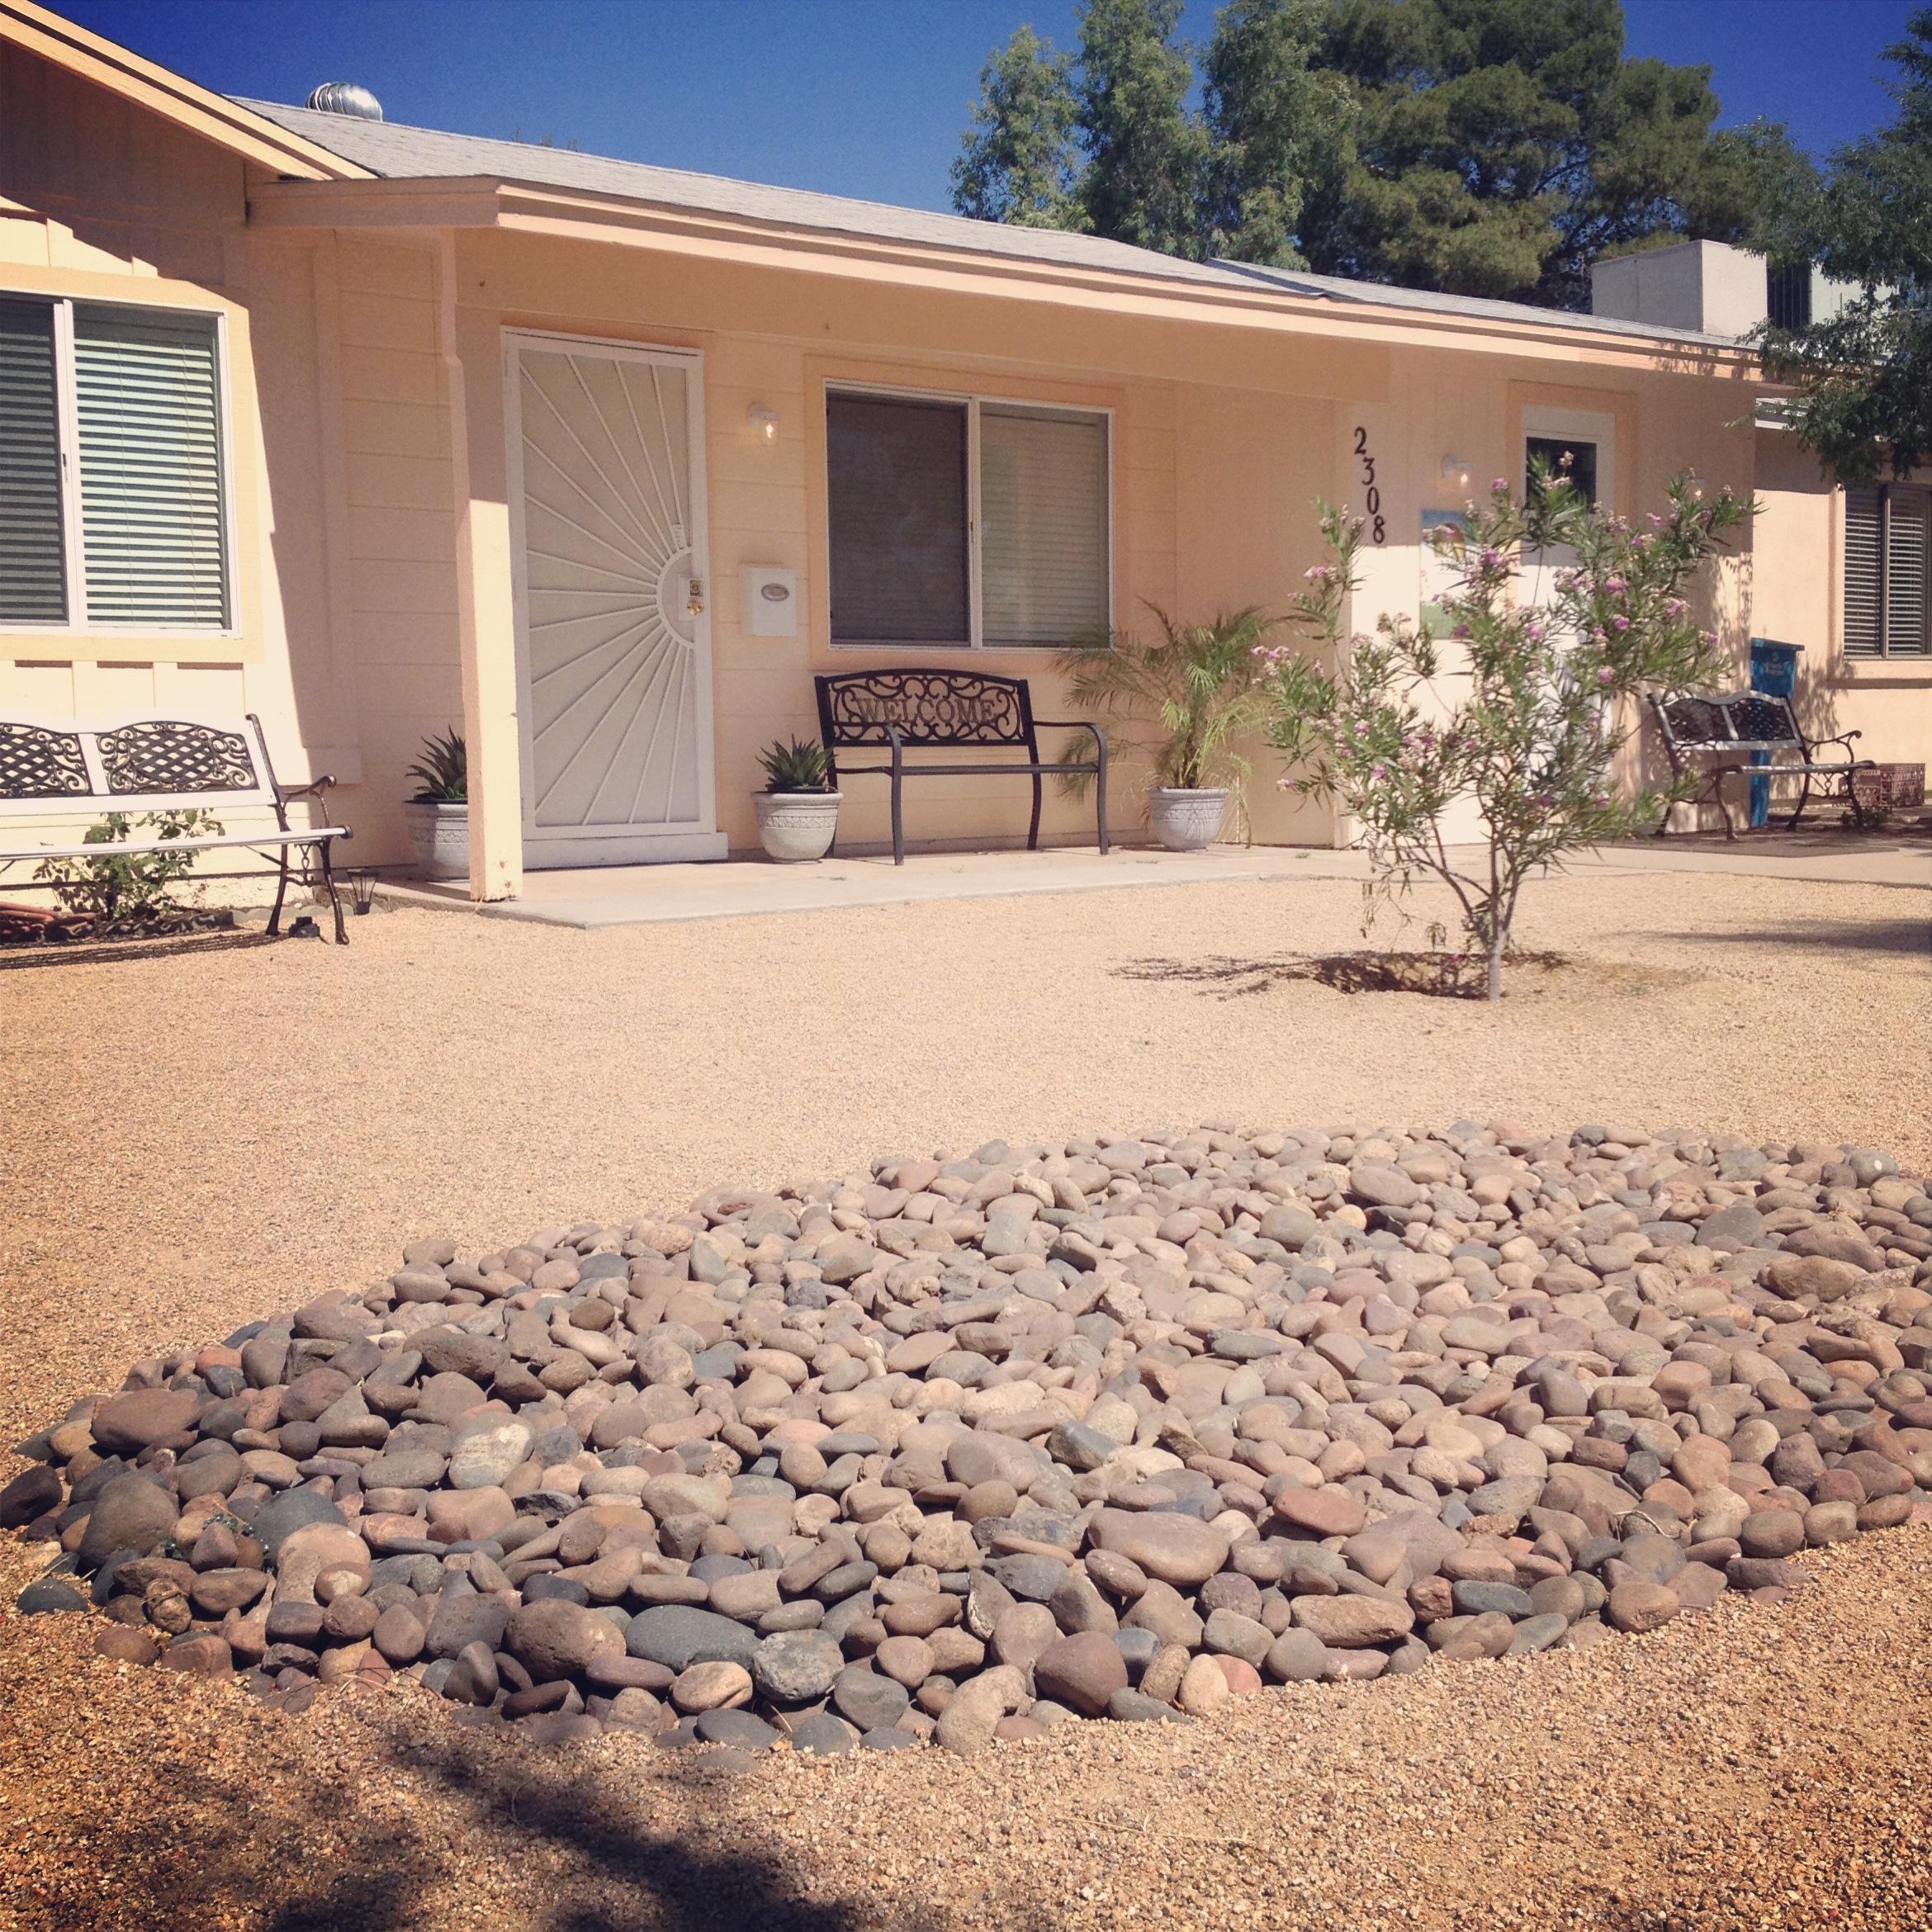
x,y
1185,821
797,825
441,837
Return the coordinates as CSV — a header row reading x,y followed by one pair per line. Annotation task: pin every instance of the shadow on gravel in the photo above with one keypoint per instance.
x,y
23,956
364,1858
1443,976
1900,938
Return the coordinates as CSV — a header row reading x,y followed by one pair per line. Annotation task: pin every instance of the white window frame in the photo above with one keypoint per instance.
x,y
67,409
972,401
1884,653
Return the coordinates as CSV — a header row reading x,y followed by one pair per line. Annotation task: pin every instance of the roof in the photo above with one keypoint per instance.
x,y
398,152
388,148
230,123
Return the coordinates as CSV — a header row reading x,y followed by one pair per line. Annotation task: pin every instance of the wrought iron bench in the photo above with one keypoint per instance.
x,y
59,769
1740,723
919,710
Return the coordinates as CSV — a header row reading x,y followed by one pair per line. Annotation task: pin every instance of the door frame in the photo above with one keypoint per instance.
x,y
546,847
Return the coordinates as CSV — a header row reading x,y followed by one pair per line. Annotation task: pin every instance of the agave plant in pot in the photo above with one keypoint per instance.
x,y
1186,700
797,810
438,812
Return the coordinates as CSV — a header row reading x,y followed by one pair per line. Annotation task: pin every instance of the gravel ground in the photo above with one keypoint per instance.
x,y
198,1138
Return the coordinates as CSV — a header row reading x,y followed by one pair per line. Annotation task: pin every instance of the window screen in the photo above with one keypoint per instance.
x,y
896,502
33,585
1044,562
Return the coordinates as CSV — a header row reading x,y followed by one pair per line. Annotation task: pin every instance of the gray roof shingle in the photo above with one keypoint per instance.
x,y
394,151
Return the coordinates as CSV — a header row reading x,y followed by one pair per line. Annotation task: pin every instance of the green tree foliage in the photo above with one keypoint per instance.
x,y
1145,150
1867,372
1018,162
1273,121
1484,147
1502,146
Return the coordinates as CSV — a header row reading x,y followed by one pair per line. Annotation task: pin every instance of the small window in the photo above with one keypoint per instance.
x,y
112,487
1567,458
1787,294
965,522
1888,572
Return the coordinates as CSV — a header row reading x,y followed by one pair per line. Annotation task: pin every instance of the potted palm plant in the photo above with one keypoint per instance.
x,y
1187,698
797,810
438,812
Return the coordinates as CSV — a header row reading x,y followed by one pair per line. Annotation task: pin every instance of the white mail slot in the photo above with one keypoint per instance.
x,y
769,601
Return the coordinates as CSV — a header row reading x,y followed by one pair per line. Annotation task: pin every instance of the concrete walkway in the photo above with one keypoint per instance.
x,y
643,895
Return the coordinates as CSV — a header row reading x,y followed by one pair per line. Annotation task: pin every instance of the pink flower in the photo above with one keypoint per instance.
x,y
1620,622
1535,633
1500,483
1676,606
1461,631
1381,771
1492,556
1617,585
1599,636
1605,675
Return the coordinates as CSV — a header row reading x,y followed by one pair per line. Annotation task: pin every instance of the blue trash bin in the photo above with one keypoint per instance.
x,y
1775,672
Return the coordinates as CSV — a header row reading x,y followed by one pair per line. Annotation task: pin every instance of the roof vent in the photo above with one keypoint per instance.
x,y
346,97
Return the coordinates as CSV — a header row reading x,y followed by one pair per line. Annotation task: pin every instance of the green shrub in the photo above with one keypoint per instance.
x,y
129,885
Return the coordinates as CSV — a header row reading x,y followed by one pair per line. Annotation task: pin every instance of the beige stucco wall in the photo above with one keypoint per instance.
x,y
370,473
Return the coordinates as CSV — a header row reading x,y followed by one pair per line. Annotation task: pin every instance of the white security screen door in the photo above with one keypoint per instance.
x,y
613,595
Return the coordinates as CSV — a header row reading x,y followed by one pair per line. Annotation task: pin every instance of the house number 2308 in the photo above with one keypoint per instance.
x,y
1378,525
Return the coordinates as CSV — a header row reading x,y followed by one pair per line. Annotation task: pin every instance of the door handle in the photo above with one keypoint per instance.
x,y
694,603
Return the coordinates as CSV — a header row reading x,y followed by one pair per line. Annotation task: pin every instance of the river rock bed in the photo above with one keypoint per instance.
x,y
960,1448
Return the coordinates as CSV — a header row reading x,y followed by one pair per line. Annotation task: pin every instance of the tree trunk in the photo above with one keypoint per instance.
x,y
1495,992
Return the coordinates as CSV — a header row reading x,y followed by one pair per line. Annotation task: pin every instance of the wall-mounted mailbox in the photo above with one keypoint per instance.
x,y
770,600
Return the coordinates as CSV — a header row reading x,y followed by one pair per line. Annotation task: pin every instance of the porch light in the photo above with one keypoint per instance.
x,y
764,420
1455,471
362,884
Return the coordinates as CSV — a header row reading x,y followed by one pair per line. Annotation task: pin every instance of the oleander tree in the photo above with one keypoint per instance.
x,y
1518,708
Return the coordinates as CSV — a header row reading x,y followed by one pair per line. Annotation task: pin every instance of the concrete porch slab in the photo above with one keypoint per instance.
x,y
645,895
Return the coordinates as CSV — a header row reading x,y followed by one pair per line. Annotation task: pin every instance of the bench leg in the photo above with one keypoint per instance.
x,y
1717,792
280,893
1100,799
1033,829
328,886
1804,800
898,820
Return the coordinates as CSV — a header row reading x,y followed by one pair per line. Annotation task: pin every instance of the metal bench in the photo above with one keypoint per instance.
x,y
1740,723
919,710
57,768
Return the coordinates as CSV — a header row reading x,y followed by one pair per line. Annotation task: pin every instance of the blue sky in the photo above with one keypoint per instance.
x,y
862,97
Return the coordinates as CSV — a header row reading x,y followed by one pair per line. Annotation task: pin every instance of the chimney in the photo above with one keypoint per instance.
x,y
1705,287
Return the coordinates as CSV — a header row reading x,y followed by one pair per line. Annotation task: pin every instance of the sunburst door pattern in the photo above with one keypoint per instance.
x,y
612,642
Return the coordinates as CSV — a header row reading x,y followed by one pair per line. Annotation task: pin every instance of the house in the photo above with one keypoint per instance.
x,y
374,430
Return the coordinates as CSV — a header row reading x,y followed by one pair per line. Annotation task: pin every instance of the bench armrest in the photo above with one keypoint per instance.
x,y
1844,738
1076,724
314,789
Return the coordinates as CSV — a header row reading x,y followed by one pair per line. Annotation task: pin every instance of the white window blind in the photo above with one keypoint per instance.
x,y
1908,554
148,398
1044,561
33,585
1888,572
1864,572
